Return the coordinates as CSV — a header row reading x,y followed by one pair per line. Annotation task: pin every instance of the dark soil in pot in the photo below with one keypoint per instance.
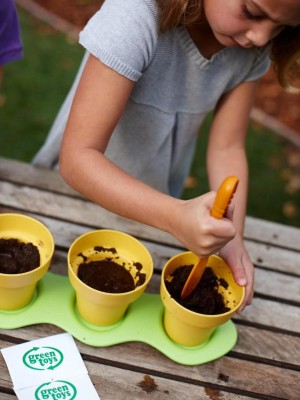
x,y
17,257
205,299
108,276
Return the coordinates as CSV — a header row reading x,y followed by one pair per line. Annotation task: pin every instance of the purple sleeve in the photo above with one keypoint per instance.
x,y
10,38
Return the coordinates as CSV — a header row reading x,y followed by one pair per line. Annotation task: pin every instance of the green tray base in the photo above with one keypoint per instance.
x,y
54,303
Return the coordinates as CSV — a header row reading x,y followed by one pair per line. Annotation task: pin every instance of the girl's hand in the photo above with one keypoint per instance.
x,y
197,230
236,256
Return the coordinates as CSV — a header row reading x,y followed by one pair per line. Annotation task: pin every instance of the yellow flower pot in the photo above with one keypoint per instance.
x,y
16,290
186,327
101,308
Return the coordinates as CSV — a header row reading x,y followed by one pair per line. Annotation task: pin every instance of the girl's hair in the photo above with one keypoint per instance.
x,y
285,47
285,53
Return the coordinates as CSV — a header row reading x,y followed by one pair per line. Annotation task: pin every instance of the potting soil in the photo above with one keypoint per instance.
x,y
205,299
108,276
17,257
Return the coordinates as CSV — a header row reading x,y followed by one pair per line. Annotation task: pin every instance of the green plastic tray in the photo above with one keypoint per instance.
x,y
54,303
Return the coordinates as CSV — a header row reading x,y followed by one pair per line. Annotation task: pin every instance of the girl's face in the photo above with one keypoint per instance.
x,y
248,23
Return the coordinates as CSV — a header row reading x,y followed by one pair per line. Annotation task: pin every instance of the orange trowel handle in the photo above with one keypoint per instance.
x,y
224,196
221,203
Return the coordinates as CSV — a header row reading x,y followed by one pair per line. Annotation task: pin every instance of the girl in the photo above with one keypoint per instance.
x,y
153,70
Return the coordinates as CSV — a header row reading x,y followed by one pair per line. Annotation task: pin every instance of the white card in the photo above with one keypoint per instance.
x,y
77,388
43,360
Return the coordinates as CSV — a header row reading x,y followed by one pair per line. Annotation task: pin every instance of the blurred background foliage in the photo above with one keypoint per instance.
x,y
35,87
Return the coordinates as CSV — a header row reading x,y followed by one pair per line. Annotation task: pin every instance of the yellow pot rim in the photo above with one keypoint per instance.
x,y
50,252
176,304
70,268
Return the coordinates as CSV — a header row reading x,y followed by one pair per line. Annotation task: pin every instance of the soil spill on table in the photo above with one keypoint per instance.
x,y
148,384
224,378
213,394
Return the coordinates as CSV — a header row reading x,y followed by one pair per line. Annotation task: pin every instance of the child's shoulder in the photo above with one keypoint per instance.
x,y
141,7
126,16
123,34
247,64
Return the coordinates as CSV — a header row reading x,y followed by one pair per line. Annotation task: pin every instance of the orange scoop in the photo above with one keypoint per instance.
x,y
222,201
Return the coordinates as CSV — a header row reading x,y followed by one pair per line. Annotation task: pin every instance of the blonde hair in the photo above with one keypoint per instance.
x,y
285,54
285,47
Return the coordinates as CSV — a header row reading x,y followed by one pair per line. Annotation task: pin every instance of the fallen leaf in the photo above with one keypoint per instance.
x,y
289,209
294,159
294,185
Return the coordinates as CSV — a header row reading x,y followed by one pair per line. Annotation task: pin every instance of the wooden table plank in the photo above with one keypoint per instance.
x,y
30,175
4,396
272,233
264,364
75,210
271,313
277,285
256,229
268,256
267,345
115,383
226,373
271,257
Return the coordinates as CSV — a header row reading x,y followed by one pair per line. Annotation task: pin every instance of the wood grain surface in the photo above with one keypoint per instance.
x,y
265,362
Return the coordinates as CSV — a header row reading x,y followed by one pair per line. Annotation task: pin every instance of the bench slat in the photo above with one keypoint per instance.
x,y
26,174
227,372
66,232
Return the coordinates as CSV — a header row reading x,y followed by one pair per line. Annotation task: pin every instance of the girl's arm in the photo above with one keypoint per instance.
x,y
97,107
226,156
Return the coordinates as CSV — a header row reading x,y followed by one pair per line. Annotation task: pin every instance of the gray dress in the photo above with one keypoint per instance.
x,y
175,88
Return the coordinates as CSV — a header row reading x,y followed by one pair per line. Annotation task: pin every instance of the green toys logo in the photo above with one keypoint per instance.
x,y
42,358
57,390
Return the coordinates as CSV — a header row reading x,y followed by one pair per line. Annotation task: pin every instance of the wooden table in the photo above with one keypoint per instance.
x,y
264,364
